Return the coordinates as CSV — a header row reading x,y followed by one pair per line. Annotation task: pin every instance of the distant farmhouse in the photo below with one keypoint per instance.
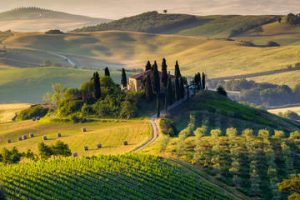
x,y
136,82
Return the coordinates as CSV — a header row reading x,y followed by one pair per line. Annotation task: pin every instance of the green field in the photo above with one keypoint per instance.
x,y
109,133
223,113
106,177
19,85
215,57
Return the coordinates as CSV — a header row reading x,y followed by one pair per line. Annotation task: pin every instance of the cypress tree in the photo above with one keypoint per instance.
x,y
156,79
177,70
164,73
106,71
124,78
148,66
148,89
169,93
177,89
203,81
181,88
97,88
200,80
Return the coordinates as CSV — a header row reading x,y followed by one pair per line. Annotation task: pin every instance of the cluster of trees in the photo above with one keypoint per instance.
x,y
13,156
150,22
293,19
252,162
58,149
264,94
99,96
156,83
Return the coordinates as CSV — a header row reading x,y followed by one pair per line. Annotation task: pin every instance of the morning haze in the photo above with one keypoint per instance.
x,y
115,9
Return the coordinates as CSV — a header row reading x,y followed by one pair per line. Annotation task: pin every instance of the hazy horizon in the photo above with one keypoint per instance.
x,y
115,9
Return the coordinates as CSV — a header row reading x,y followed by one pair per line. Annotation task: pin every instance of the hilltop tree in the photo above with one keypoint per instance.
x,y
106,71
164,73
221,91
177,89
177,70
169,93
97,88
148,66
148,88
203,79
124,78
156,87
181,88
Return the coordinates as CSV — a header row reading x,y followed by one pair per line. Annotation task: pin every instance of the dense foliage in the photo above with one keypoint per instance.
x,y
99,97
58,149
105,177
54,31
264,94
35,111
151,22
293,19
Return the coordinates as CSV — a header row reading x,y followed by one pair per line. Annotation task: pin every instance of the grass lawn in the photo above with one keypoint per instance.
x,y
110,133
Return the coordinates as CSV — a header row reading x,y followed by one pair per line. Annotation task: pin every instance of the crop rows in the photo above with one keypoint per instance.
x,y
104,177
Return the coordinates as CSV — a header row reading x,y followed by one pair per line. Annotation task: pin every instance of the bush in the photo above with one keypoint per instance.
x,y
168,127
54,31
35,111
10,156
128,110
273,44
59,149
221,91
69,107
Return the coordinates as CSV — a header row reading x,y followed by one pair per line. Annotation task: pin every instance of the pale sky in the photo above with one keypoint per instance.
x,y
115,9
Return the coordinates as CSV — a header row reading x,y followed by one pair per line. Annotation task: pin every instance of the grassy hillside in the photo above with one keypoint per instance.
x,y
295,109
38,19
211,26
8,111
110,133
106,177
31,84
281,33
221,112
216,57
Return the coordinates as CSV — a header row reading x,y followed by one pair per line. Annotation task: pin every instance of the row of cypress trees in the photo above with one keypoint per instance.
x,y
172,87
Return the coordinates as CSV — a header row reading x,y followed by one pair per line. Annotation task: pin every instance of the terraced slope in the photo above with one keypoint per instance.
x,y
105,177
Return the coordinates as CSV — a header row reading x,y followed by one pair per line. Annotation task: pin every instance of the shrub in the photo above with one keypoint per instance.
x,y
168,127
128,110
273,44
221,91
34,111
10,156
54,31
68,107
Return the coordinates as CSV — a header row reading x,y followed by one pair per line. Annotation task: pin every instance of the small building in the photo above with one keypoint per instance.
x,y
136,82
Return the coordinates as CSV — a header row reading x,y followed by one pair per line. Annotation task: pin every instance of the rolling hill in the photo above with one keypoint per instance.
x,y
38,19
217,57
210,26
106,177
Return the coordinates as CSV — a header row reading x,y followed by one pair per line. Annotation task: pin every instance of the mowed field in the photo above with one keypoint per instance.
x,y
283,110
8,111
217,57
109,133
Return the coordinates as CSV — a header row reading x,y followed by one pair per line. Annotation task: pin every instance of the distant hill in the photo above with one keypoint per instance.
x,y
38,19
154,22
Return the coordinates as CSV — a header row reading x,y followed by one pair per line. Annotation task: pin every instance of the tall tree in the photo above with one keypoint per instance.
x,y
169,93
177,89
156,87
106,71
97,88
156,79
164,73
148,89
124,78
203,81
181,88
148,66
177,70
